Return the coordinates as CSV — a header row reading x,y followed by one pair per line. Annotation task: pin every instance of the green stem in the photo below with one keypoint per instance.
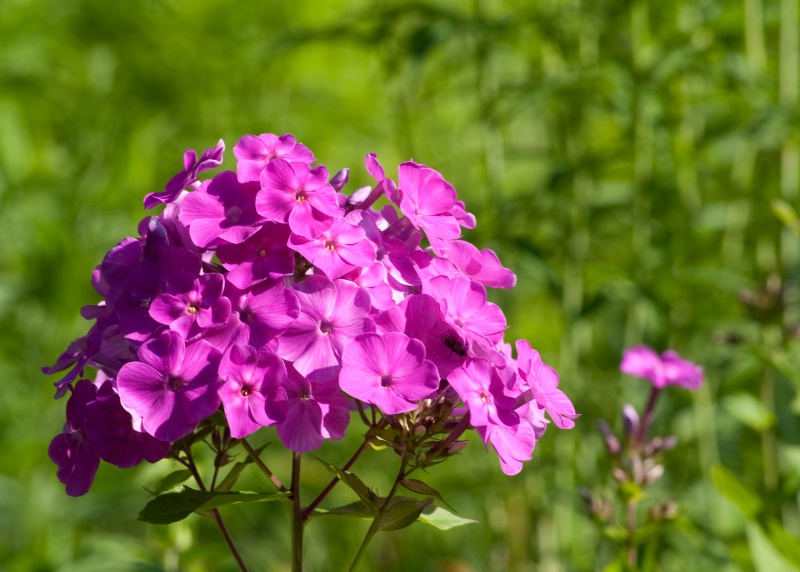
x,y
264,469
229,540
378,517
321,496
297,516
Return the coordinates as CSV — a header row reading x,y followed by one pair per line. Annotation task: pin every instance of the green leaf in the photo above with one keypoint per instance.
x,y
233,475
357,510
786,214
785,543
352,481
417,486
402,512
180,502
765,557
750,411
442,519
735,491
172,480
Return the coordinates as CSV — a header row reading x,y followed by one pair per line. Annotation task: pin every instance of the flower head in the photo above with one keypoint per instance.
x,y
667,369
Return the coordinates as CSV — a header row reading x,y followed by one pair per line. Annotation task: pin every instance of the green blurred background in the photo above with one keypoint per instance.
x,y
626,159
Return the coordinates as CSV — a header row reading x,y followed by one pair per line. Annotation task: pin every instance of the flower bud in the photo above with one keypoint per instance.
x,y
630,420
340,179
456,447
611,441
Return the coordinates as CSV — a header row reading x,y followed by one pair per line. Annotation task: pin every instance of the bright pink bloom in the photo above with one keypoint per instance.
x,y
542,380
480,265
254,152
173,386
338,250
299,195
667,369
253,394
332,315
222,209
263,255
513,443
194,307
315,412
483,393
389,371
427,200
463,303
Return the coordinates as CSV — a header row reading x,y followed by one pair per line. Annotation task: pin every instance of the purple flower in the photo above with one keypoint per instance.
x,y
338,250
264,255
463,302
173,386
299,195
332,315
542,380
483,393
253,394
76,456
110,428
211,159
667,369
427,200
199,305
315,412
222,209
513,443
480,265
389,371
254,152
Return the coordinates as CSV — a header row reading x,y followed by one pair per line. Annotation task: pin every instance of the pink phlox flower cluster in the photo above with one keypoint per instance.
x,y
667,369
268,295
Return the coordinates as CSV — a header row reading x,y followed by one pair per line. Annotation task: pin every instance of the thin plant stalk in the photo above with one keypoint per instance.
x,y
297,516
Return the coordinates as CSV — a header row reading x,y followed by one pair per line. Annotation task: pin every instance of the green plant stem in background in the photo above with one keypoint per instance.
x,y
376,522
297,516
260,464
321,496
229,539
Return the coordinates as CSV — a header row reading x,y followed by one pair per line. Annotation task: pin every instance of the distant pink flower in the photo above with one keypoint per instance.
x,y
389,371
254,152
667,369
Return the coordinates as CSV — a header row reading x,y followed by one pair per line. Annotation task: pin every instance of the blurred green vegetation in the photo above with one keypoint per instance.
x,y
623,157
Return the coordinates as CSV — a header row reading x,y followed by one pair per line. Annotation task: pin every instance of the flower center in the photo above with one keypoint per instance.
x,y
192,309
486,398
262,253
233,214
330,245
301,197
386,380
305,393
245,390
175,383
325,327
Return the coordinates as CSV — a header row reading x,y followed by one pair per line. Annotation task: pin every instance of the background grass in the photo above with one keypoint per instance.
x,y
623,157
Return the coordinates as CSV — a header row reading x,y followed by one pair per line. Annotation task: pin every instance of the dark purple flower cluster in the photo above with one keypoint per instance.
x,y
268,293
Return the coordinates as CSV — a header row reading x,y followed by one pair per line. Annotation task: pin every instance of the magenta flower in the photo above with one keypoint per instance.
x,y
315,412
195,306
338,250
254,152
389,371
211,159
483,393
463,302
332,315
542,380
253,394
513,443
76,456
263,255
480,265
667,369
427,200
222,209
299,195
173,386
110,428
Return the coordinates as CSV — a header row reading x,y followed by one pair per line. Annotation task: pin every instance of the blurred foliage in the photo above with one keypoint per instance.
x,y
623,157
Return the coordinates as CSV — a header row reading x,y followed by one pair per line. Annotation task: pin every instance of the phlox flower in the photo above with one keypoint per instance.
x,y
263,255
389,371
667,369
295,193
76,456
464,306
338,250
482,391
254,152
223,209
211,159
172,387
315,412
195,305
480,265
252,395
542,380
514,444
332,315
